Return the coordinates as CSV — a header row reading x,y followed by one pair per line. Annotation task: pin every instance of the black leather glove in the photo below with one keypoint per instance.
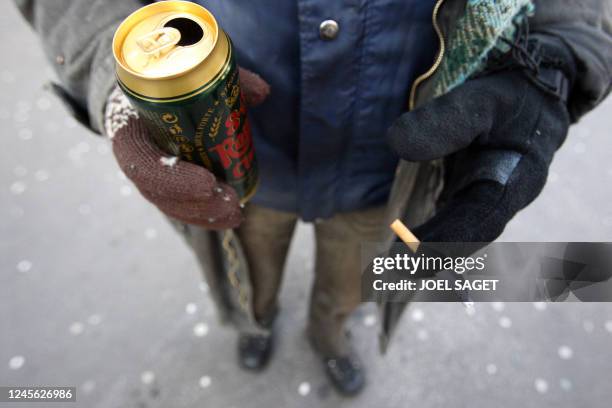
x,y
498,133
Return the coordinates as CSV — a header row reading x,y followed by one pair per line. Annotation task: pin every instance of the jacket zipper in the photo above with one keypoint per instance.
x,y
437,62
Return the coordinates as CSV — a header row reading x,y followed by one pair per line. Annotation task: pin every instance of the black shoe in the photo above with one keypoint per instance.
x,y
254,351
346,374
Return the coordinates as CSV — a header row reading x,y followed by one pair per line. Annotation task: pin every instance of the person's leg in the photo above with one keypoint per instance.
x,y
265,235
336,291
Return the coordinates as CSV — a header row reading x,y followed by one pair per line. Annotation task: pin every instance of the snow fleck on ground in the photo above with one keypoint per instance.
x,y
147,377
304,389
205,381
565,352
200,329
16,362
541,385
505,322
24,266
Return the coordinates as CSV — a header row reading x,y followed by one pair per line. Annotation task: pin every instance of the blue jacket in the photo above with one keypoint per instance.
x,y
319,138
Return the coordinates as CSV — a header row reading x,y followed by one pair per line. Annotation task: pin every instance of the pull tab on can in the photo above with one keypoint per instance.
x,y
159,41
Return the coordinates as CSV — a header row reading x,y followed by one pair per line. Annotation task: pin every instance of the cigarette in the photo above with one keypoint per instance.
x,y
405,235
413,242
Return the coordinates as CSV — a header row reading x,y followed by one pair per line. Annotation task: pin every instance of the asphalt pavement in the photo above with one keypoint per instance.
x,y
98,291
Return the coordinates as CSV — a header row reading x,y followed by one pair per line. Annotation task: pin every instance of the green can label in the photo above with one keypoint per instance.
x,y
209,129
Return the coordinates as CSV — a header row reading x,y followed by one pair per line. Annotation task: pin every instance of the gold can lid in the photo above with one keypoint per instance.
x,y
165,39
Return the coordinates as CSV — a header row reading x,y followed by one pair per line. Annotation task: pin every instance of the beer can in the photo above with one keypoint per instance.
x,y
176,66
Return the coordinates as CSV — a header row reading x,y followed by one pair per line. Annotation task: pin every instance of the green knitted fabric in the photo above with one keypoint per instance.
x,y
477,32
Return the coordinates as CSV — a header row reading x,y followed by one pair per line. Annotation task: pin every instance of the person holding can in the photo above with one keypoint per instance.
x,y
490,88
